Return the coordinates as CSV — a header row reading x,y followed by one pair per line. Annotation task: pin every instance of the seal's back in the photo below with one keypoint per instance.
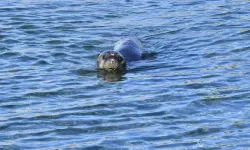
x,y
129,48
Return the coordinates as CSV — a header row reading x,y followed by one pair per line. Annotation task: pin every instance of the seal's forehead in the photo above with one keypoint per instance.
x,y
110,53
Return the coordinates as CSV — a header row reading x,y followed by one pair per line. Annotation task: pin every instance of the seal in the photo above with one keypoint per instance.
x,y
125,50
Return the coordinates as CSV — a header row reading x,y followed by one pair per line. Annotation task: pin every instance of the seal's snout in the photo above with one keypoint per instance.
x,y
111,63
112,60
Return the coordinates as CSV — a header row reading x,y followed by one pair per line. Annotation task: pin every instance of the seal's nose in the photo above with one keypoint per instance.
x,y
112,61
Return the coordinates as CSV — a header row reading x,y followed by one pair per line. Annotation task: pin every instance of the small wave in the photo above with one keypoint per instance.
x,y
42,62
56,42
43,93
11,41
9,54
28,27
241,49
202,131
25,58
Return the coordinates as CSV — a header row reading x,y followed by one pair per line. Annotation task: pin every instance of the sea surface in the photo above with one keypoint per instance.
x,y
190,91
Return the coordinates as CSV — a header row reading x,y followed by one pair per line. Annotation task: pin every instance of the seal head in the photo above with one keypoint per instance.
x,y
111,61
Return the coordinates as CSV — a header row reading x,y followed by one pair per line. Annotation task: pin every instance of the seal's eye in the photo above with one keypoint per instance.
x,y
104,56
119,59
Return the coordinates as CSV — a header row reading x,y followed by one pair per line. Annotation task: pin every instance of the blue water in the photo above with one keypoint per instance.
x,y
190,91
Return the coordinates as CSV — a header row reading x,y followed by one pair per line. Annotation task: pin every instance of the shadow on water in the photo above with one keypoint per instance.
x,y
106,75
111,76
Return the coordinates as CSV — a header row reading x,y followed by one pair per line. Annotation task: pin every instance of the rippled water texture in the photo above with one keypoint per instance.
x,y
190,91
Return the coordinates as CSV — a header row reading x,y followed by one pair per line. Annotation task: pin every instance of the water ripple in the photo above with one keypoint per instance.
x,y
190,90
